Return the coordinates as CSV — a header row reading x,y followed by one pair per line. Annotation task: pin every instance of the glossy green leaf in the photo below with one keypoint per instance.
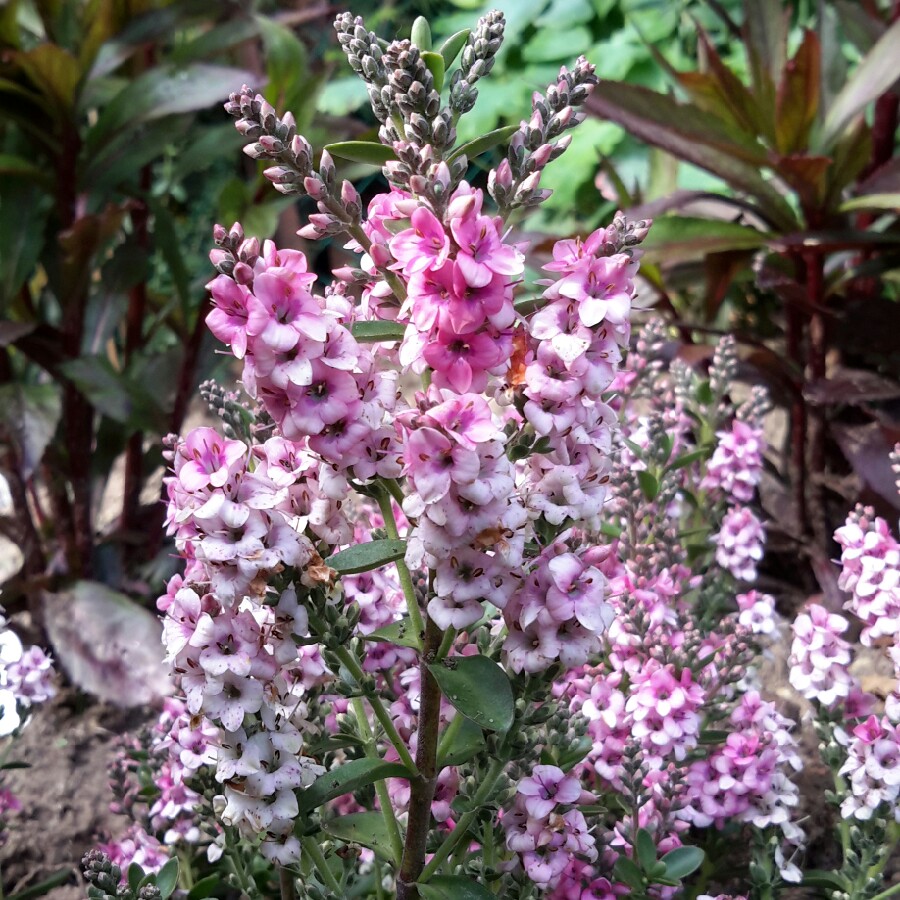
x,y
465,743
645,847
135,876
484,143
420,33
167,878
682,861
369,152
875,74
435,64
347,778
886,202
454,887
366,829
478,688
400,634
376,331
162,92
365,557
449,50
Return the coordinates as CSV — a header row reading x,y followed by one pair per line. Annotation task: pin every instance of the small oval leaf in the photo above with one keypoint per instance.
x,y
167,878
478,688
681,861
377,331
451,47
481,144
350,777
435,63
366,829
401,634
420,34
365,557
368,152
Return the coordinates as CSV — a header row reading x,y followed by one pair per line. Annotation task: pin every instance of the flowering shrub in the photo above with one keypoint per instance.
x,y
26,680
468,605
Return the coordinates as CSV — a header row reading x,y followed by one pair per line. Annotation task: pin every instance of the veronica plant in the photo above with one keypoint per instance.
x,y
377,598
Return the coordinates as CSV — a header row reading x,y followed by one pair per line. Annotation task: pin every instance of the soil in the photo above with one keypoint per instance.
x,y
65,795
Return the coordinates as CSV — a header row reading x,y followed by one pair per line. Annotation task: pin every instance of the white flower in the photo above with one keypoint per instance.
x,y
9,714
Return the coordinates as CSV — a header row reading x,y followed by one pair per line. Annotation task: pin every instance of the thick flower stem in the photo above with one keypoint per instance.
x,y
286,884
422,788
384,800
465,821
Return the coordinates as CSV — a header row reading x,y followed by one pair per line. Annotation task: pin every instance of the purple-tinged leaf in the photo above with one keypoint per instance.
x,y
798,96
108,645
876,74
10,332
29,414
680,238
867,448
658,120
883,202
765,37
851,387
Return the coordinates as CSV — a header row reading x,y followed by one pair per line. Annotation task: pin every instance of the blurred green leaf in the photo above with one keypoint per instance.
x,y
376,331
680,238
21,237
454,887
165,91
885,202
552,44
798,96
54,72
878,71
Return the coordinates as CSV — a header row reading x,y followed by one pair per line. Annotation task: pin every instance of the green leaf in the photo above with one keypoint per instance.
x,y
54,71
366,829
552,44
645,848
400,634
43,887
451,47
466,743
376,331
169,244
478,688
350,777
819,878
649,484
21,237
710,736
677,239
885,202
15,764
627,870
570,756
369,152
10,164
135,876
484,143
420,34
435,64
203,889
682,861
454,887
30,414
798,96
365,557
161,92
875,74
689,459
167,878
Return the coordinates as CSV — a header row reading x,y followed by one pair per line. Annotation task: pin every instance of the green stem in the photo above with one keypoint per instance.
x,y
233,854
379,890
387,810
890,892
383,716
488,852
409,592
446,643
448,736
314,851
462,827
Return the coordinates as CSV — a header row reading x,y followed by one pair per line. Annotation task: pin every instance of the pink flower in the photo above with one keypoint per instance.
x,y
423,246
